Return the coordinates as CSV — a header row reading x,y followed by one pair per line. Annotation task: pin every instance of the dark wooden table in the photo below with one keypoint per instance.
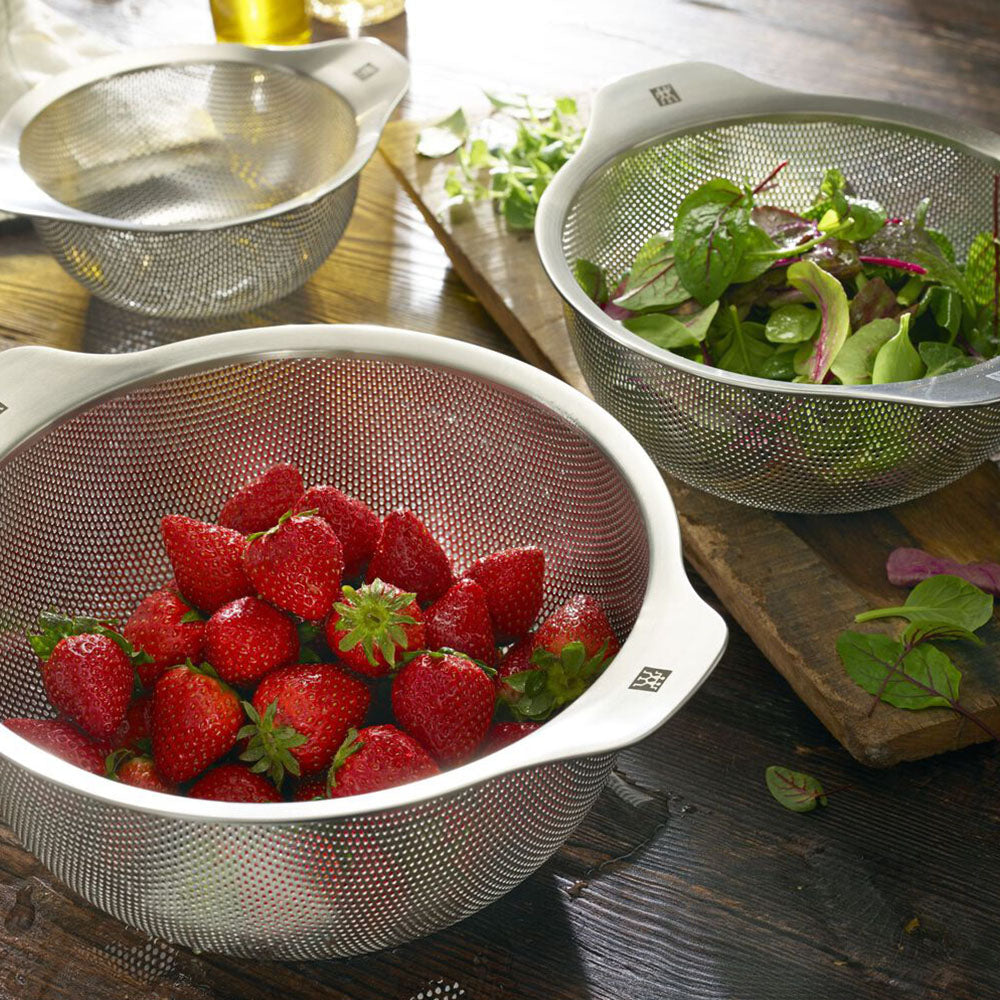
x,y
710,891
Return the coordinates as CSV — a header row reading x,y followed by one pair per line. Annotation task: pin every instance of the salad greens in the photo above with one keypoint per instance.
x,y
839,293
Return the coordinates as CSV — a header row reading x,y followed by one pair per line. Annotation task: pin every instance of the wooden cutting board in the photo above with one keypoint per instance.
x,y
791,581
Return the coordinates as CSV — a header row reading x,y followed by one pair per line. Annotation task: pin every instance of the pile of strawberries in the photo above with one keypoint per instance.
x,y
258,674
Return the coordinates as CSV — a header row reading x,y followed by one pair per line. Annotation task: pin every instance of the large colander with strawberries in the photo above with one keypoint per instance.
x,y
115,469
787,446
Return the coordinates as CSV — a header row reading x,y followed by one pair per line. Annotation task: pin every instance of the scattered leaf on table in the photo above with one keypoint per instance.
x,y
445,137
940,600
906,567
793,789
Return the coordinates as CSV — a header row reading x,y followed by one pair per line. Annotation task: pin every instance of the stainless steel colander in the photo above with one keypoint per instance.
x,y
788,447
490,452
202,180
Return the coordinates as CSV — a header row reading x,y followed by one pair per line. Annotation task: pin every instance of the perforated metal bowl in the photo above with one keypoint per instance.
x,y
815,449
201,180
490,452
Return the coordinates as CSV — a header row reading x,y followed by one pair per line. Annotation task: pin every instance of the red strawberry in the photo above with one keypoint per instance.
x,y
558,663
258,504
512,582
460,620
505,733
409,557
135,732
196,719
374,758
309,789
166,628
444,701
297,565
207,561
354,523
139,771
62,739
300,716
246,638
234,783
372,625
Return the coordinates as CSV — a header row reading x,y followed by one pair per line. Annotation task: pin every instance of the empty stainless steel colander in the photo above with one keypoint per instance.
x,y
201,180
490,452
790,447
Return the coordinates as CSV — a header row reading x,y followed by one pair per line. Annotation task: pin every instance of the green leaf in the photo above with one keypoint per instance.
x,y
827,294
918,633
791,324
922,678
897,359
741,350
711,232
751,267
942,243
794,790
653,281
941,359
980,269
519,208
191,616
855,360
525,105
945,305
670,332
444,137
940,600
780,365
865,218
590,277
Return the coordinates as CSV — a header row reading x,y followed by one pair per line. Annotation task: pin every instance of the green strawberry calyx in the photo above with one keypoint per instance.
x,y
373,617
351,745
114,761
555,681
53,627
287,516
269,748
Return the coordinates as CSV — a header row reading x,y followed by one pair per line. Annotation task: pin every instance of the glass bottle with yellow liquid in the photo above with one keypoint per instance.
x,y
354,14
262,22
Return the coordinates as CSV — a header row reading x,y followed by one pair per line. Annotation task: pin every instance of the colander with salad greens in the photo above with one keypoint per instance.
x,y
839,293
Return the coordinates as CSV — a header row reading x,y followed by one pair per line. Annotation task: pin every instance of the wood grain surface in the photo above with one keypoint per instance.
x,y
719,894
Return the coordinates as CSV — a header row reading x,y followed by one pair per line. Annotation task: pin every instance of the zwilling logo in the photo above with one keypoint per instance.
x,y
3,407
649,679
366,71
665,94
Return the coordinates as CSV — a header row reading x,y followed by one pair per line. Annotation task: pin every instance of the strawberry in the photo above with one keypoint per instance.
x,y
258,504
246,638
354,523
62,739
196,719
512,582
137,770
558,663
409,557
234,783
374,758
300,716
207,561
168,630
86,669
135,732
504,733
372,625
297,565
460,620
445,702
310,788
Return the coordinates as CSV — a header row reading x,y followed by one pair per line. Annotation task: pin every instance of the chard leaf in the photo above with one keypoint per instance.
x,y
710,237
941,600
875,300
794,790
792,324
916,634
906,567
897,359
905,242
590,277
922,678
855,360
445,137
786,229
827,294
653,281
753,267
941,359
671,332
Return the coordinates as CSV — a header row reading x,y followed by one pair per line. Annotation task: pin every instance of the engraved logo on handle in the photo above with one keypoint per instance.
x,y
649,679
665,94
3,407
366,71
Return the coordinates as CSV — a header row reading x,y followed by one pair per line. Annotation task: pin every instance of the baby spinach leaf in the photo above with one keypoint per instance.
x,y
671,332
751,267
444,137
710,236
940,600
791,324
526,105
743,348
827,294
897,359
653,281
864,219
590,277
794,790
922,677
855,360
917,634
910,291
941,359
780,365
945,305
786,229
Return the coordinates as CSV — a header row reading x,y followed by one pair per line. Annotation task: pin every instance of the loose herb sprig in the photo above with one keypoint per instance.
x,y
796,790
514,171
